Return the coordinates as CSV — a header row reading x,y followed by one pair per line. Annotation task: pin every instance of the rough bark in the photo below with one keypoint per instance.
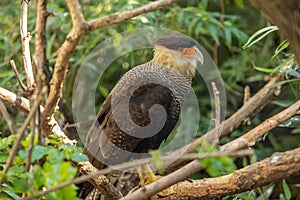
x,y
269,170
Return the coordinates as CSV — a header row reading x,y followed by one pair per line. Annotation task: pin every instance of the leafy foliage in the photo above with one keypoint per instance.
x,y
222,32
51,166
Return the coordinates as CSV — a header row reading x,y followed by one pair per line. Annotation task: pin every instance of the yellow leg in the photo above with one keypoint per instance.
x,y
146,175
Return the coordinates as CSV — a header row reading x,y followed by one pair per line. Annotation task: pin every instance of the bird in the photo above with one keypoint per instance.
x,y
144,106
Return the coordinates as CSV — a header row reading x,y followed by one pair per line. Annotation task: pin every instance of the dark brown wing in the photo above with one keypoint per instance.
x,y
108,144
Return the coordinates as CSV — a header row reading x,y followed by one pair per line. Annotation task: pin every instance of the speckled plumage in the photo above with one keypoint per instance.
x,y
164,81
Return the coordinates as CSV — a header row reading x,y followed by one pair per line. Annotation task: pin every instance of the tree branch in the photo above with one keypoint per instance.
x,y
249,139
120,17
6,117
41,40
22,104
267,171
131,164
26,37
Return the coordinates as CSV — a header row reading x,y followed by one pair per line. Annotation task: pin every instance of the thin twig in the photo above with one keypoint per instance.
x,y
20,133
217,119
6,117
14,68
135,163
30,146
246,94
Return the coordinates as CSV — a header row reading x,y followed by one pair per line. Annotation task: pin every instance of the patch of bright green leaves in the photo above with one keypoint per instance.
x,y
215,166
51,167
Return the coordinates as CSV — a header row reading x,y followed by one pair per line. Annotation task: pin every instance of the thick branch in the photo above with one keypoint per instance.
x,y
40,38
22,104
61,65
285,15
278,166
249,139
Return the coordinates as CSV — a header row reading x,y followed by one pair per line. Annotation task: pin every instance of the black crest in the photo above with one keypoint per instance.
x,y
175,42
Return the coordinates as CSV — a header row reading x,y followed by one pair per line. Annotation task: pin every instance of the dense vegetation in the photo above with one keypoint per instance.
x,y
221,27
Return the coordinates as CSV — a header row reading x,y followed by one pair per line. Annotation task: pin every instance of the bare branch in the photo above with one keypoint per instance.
x,y
14,100
249,139
26,37
6,117
246,94
267,171
22,104
133,164
120,17
14,68
217,133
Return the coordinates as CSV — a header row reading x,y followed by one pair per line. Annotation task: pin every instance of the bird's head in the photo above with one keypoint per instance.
x,y
179,53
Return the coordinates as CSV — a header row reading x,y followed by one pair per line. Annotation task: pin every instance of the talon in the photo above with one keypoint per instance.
x,y
147,176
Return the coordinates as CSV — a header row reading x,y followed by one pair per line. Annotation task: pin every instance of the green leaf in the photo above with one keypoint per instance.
x,y
240,3
55,156
20,184
214,33
283,45
38,153
3,157
77,157
104,91
259,35
198,28
38,177
5,143
156,155
286,190
7,189
5,74
265,70
284,82
228,39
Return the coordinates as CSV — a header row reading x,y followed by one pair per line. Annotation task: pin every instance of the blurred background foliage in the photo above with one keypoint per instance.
x,y
222,27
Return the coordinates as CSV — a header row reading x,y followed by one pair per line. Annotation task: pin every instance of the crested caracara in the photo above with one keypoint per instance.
x,y
144,106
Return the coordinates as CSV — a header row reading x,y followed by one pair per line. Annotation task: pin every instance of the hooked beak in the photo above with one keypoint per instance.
x,y
198,55
193,55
